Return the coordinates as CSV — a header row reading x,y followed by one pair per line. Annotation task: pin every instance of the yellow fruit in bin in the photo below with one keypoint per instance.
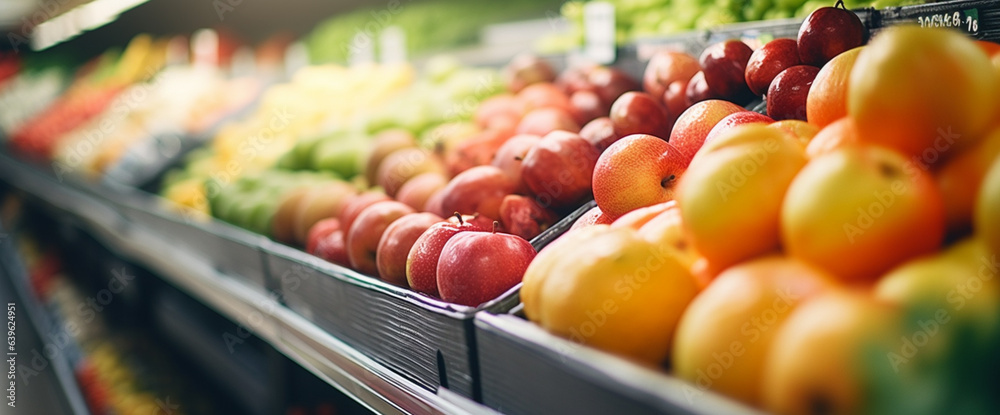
x,y
724,336
610,289
922,91
987,219
959,283
737,189
819,361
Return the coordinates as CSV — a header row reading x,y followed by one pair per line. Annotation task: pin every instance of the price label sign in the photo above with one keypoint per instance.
x,y
599,31
964,20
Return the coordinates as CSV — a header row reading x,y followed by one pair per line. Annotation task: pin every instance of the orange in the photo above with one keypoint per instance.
x,y
610,289
838,134
960,179
987,213
916,88
827,100
802,130
860,210
724,336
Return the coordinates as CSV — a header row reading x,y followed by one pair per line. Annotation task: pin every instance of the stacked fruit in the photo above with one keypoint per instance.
x,y
501,180
805,272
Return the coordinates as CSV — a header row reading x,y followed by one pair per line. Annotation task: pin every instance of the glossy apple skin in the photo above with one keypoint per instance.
x,y
768,61
667,67
592,217
787,96
422,260
366,231
639,113
356,204
558,170
395,244
737,119
526,69
416,191
477,190
724,65
694,124
698,90
333,248
524,217
320,230
510,155
637,171
675,99
828,32
600,133
476,267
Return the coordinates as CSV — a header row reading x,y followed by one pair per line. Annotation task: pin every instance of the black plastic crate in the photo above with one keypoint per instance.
x,y
426,340
232,251
526,370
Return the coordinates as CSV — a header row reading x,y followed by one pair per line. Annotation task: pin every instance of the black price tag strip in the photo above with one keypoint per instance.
x,y
966,20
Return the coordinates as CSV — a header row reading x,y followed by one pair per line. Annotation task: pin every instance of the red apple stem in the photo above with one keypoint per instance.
x,y
495,225
840,4
459,216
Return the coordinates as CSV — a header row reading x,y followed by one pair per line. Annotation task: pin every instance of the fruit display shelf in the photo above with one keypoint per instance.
x,y
41,385
429,341
526,370
100,212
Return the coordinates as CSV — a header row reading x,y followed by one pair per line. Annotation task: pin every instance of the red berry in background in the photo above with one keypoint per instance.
x,y
786,98
828,32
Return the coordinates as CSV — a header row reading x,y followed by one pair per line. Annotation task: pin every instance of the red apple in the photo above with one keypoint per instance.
x,y
667,67
786,98
828,32
526,69
384,144
768,61
545,120
433,204
480,190
333,248
319,231
675,99
600,133
575,79
498,111
585,106
366,231
736,119
636,171
594,216
510,155
476,267
724,65
422,260
524,217
356,204
559,168
477,150
542,95
696,122
610,83
416,191
395,244
698,90
639,113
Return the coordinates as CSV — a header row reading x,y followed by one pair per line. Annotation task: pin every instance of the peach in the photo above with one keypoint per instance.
x,y
636,171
